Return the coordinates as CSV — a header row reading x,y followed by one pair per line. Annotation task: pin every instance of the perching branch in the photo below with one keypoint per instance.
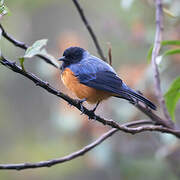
x,y
89,113
49,163
89,28
155,52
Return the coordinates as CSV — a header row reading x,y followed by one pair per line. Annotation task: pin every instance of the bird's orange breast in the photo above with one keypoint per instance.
x,y
82,91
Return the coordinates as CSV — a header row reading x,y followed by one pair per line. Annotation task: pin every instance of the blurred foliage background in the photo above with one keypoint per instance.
x,y
35,125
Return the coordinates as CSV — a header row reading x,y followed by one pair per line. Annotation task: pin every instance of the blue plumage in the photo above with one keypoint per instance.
x,y
93,72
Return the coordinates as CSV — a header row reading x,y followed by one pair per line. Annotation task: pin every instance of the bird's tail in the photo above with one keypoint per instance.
x,y
129,94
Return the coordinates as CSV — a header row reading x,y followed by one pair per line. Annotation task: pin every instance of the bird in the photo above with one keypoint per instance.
x,y
93,80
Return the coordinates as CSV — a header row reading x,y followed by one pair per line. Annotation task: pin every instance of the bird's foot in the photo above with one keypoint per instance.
x,y
93,111
80,102
92,118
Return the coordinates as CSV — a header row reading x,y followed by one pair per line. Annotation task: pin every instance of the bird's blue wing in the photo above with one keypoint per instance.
x,y
97,74
103,80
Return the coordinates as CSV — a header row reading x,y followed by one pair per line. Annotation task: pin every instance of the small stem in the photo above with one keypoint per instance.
x,y
89,28
155,52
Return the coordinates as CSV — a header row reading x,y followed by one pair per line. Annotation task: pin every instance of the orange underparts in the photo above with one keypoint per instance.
x,y
82,91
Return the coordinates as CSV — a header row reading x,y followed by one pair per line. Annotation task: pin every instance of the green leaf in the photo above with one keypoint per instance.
x,y
163,43
171,42
38,49
35,49
149,56
21,60
171,52
172,96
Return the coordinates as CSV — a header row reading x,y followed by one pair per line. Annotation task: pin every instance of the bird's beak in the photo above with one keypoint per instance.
x,y
62,58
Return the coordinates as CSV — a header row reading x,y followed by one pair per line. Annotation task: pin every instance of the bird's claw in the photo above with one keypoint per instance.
x,y
93,116
80,103
94,109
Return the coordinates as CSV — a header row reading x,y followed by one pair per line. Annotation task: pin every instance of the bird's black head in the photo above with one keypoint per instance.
x,y
72,55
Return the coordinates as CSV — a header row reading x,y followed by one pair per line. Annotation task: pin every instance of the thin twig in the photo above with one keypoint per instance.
x,y
53,162
49,163
155,52
89,113
89,28
138,122
110,53
22,45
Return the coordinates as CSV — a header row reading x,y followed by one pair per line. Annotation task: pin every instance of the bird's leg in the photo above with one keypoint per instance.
x,y
94,109
80,102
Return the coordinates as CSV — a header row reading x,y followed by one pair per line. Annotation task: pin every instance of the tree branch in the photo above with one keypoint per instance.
x,y
49,163
155,52
89,113
89,28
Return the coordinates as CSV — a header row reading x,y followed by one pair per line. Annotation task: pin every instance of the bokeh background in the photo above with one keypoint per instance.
x,y
35,125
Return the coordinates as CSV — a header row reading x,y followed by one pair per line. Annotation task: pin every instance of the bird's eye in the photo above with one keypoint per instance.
x,y
69,56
